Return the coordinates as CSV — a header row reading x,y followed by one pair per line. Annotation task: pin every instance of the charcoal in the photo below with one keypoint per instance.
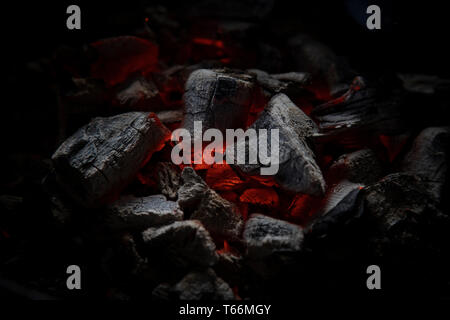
x,y
404,214
100,159
181,244
291,83
170,116
169,179
314,57
137,214
339,207
137,94
197,285
300,78
219,216
264,236
361,166
222,177
429,158
298,170
361,111
421,83
264,197
218,99
229,266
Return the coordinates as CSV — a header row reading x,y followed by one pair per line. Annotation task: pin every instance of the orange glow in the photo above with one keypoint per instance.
x,y
209,42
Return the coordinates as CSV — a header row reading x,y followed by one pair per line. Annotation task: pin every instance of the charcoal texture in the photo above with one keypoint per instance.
x,y
429,157
361,111
180,244
218,215
137,214
361,166
298,170
102,157
217,99
404,215
168,179
202,285
264,236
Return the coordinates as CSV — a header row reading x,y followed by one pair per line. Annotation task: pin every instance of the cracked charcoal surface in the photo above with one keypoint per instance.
x,y
218,215
218,99
103,156
298,170
134,214
180,244
265,235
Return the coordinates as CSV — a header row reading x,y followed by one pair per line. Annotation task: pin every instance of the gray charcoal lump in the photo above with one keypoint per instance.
x,y
102,157
202,285
182,243
218,99
298,170
264,236
133,213
218,215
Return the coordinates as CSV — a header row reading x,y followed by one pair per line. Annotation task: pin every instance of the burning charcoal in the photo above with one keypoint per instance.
x,y
218,99
404,213
197,285
181,243
136,214
138,94
264,197
361,166
298,170
429,158
316,58
271,243
361,111
222,177
121,56
103,156
218,215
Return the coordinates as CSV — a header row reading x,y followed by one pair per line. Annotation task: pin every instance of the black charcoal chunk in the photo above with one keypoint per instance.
x,y
102,157
203,285
180,244
340,207
360,112
218,215
429,157
361,166
404,215
137,214
298,170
